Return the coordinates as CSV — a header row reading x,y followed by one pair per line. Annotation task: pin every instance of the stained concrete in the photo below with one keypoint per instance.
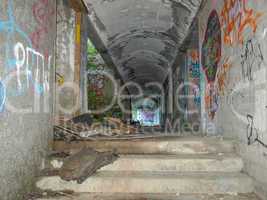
x,y
25,134
153,182
241,94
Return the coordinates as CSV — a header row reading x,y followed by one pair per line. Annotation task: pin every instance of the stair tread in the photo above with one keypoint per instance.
x,y
155,197
181,156
165,175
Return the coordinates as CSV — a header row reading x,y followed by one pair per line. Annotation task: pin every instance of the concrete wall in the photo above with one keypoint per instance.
x,y
68,37
27,40
65,57
234,61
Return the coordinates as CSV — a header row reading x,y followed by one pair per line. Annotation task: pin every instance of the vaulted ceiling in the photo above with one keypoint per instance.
x,y
142,37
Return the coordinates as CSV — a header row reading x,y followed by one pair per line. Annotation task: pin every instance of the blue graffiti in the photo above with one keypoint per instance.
x,y
14,31
2,96
11,28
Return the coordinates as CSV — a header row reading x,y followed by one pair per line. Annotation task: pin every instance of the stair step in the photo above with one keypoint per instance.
x,y
153,182
169,145
155,197
178,163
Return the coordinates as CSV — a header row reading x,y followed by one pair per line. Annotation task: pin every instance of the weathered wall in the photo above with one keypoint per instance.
x,y
233,56
27,39
71,93
65,57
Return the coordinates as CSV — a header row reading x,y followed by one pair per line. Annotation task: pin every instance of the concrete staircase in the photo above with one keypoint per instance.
x,y
169,168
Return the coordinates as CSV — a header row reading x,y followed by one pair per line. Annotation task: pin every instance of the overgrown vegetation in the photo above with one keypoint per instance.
x,y
98,85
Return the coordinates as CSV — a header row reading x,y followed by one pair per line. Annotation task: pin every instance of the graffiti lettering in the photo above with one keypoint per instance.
x,y
251,57
236,18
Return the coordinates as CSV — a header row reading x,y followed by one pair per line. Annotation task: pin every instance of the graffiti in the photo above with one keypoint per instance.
x,y
194,74
222,76
25,59
2,96
236,18
251,57
194,67
211,100
211,56
211,48
252,132
42,12
11,30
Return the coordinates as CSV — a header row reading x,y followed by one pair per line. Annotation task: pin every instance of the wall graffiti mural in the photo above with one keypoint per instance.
x,y
251,58
236,18
194,74
211,56
252,132
211,48
211,100
222,75
25,68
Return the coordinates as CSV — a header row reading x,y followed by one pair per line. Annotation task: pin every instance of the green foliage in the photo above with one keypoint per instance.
x,y
92,53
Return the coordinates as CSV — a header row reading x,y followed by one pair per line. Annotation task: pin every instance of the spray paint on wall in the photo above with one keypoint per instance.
x,y
211,56
236,17
251,58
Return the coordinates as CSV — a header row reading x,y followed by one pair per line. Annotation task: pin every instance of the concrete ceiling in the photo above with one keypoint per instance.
x,y
142,37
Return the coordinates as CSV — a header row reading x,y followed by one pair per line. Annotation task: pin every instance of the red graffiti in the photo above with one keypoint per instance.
x,y
42,12
236,17
222,76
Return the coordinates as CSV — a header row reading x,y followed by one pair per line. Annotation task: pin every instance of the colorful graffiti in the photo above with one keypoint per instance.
x,y
236,18
211,56
194,74
222,76
211,49
20,61
251,58
211,100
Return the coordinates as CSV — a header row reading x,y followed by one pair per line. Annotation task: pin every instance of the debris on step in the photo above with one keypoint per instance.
x,y
79,128
80,166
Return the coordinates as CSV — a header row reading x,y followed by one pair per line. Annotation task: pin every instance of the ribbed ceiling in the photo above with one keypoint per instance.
x,y
143,36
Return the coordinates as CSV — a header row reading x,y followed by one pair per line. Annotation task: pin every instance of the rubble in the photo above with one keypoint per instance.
x,y
80,166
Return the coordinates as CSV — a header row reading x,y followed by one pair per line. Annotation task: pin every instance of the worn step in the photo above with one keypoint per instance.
x,y
169,145
178,163
152,182
154,197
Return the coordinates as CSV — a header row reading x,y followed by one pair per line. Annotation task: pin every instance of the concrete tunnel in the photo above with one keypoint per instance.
x,y
133,99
